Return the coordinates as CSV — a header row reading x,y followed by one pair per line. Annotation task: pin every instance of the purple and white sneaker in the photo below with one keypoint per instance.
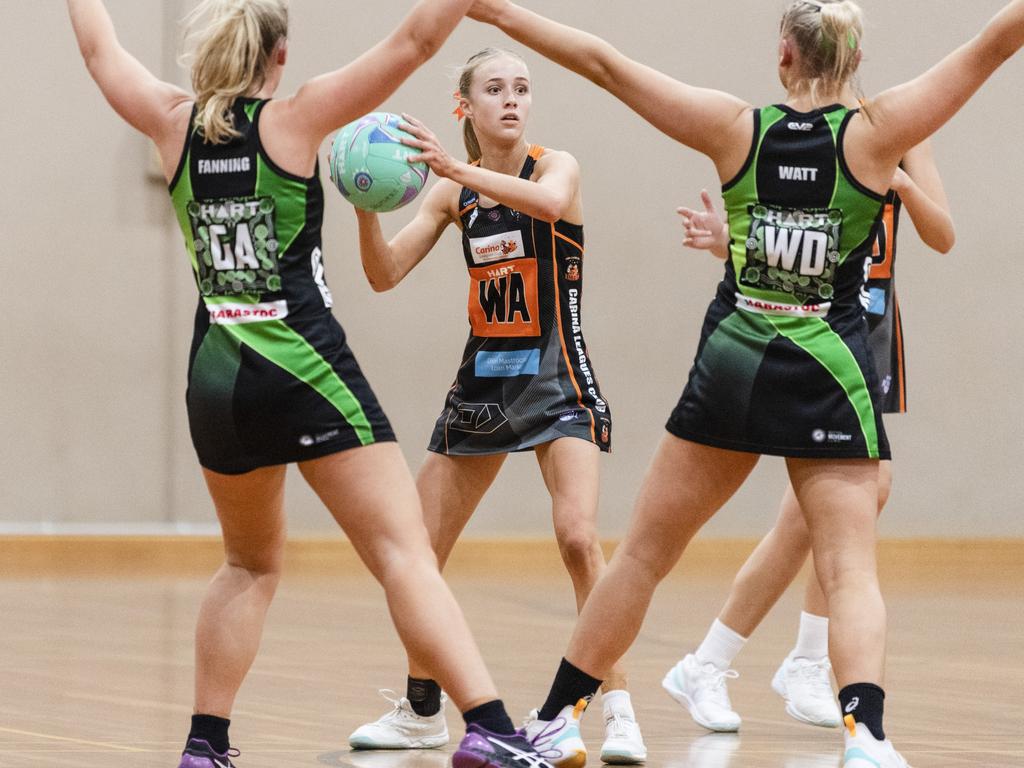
x,y
199,754
480,748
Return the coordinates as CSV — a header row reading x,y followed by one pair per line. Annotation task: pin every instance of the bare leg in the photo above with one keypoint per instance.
x,y
450,489
814,599
571,472
840,502
372,496
230,624
769,570
684,486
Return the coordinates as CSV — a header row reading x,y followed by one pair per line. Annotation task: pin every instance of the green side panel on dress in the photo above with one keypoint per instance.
x,y
288,350
816,338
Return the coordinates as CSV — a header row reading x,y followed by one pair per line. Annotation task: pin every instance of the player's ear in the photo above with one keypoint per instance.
x,y
785,52
281,52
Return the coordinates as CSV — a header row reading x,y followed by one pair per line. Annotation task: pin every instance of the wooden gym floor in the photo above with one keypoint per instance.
x,y
96,656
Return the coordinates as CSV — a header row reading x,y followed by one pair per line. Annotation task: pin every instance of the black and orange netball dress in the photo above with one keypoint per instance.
x,y
526,377
885,327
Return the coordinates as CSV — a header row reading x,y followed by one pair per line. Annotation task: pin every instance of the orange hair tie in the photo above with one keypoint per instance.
x,y
459,112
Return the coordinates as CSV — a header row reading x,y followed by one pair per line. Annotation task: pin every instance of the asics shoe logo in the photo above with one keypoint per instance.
x,y
532,760
854,703
219,764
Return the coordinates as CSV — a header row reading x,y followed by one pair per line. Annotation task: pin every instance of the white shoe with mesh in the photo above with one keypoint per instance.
x,y
402,728
623,743
806,687
863,750
702,690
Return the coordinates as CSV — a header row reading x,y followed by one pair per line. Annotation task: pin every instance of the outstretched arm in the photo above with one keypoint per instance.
x,y
138,96
553,195
329,101
706,120
920,186
904,116
387,263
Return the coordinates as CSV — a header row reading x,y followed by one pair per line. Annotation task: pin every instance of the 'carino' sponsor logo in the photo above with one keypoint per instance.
x,y
507,245
239,314
764,307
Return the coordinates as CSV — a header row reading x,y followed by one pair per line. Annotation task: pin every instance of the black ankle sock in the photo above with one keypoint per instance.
x,y
570,685
213,730
866,703
491,716
424,696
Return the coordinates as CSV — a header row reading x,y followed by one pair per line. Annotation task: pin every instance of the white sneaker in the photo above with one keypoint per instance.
x,y
623,744
806,687
701,689
863,750
402,728
558,741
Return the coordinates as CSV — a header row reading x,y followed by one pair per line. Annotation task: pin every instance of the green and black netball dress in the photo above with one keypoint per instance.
x,y
271,379
526,377
885,326
783,365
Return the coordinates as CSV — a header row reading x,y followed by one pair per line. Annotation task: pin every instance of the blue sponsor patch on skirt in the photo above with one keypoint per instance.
x,y
506,363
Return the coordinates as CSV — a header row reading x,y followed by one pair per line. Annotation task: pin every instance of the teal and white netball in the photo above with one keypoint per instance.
x,y
369,165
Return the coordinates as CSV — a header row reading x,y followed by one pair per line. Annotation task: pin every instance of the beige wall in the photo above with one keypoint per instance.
x,y
97,294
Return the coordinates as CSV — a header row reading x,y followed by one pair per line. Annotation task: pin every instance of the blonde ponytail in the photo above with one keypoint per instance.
x,y
828,35
465,73
231,43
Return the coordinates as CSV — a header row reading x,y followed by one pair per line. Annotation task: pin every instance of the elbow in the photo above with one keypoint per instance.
x,y
944,242
552,210
381,284
425,43
551,213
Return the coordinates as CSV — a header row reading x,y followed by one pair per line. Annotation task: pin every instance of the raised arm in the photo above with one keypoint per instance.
x,y
709,121
145,102
553,194
329,101
387,263
924,198
904,116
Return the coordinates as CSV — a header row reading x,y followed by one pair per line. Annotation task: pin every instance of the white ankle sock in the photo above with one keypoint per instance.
x,y
812,639
618,702
721,645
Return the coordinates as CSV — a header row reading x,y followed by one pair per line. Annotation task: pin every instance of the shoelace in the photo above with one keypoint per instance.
x,y
815,673
619,726
398,702
528,720
713,683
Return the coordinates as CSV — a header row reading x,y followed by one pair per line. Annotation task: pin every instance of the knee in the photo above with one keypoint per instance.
x,y
263,567
580,548
650,563
400,557
837,573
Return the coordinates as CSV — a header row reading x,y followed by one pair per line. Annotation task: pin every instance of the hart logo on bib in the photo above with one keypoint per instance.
x,y
236,245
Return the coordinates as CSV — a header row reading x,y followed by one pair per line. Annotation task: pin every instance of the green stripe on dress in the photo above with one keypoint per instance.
x,y
288,350
816,338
